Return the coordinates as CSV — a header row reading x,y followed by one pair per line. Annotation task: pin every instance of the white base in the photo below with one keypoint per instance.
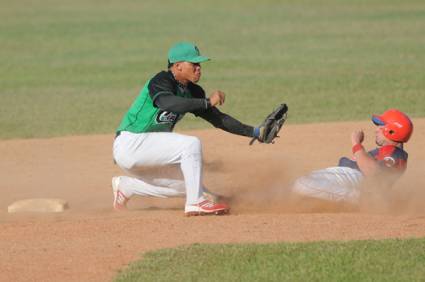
x,y
38,205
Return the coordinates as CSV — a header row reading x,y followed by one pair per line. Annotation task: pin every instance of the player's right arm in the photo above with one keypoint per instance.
x,y
163,89
366,163
176,104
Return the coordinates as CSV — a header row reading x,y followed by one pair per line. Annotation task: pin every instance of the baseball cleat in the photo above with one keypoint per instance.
x,y
211,196
216,198
120,200
207,207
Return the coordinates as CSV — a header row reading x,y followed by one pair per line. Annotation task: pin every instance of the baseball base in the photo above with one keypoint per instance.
x,y
38,205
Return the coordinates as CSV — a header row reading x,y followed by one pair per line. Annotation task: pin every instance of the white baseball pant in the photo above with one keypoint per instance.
x,y
133,152
336,184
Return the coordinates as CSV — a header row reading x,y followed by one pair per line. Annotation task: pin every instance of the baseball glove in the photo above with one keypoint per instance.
x,y
271,126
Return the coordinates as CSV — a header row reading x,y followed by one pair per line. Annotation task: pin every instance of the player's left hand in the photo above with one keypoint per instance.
x,y
357,137
268,130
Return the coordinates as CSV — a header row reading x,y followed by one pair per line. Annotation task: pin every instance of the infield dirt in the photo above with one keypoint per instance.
x,y
91,242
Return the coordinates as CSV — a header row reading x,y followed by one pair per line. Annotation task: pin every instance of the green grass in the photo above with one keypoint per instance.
x,y
386,260
74,67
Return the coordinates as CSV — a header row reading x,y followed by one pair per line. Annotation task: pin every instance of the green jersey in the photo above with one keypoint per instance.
x,y
145,116
163,101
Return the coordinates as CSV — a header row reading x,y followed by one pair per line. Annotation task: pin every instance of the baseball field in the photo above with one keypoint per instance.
x,y
70,69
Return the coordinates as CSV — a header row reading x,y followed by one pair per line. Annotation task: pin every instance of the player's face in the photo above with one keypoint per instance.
x,y
191,71
380,139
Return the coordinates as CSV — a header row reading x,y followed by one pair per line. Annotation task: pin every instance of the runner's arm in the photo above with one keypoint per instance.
x,y
366,163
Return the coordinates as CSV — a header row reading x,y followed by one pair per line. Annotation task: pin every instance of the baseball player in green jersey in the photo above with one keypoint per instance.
x,y
145,138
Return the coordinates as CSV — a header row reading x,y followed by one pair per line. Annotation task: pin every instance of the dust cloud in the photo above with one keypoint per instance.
x,y
268,189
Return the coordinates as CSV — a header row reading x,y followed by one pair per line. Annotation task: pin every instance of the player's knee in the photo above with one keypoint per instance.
x,y
306,187
125,163
193,146
298,186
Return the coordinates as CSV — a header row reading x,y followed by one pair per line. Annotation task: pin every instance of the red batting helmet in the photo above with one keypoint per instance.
x,y
397,126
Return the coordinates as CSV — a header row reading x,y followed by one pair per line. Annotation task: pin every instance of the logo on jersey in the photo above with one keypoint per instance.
x,y
389,161
166,117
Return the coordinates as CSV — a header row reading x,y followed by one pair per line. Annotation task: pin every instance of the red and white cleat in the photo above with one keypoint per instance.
x,y
120,200
207,208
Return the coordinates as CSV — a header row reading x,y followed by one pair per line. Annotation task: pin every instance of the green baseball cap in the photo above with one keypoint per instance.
x,y
185,52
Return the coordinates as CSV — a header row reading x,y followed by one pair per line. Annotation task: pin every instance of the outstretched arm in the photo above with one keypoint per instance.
x,y
226,122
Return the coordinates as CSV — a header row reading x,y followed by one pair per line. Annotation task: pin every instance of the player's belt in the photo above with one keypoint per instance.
x,y
118,133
